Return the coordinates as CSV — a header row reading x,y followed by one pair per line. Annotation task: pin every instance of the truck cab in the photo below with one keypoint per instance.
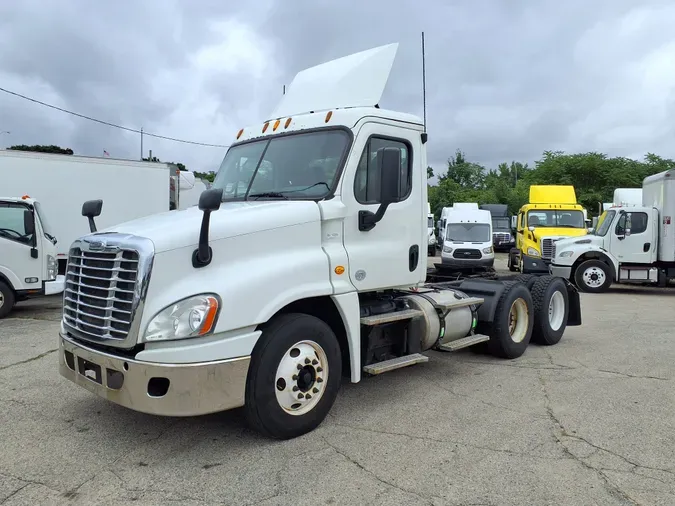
x,y
502,235
551,214
303,264
28,265
632,243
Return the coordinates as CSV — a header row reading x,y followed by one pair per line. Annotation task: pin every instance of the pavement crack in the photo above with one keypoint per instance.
x,y
15,492
611,488
32,359
636,376
379,479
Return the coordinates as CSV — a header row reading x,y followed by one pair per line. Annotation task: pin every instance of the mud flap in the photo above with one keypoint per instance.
x,y
574,316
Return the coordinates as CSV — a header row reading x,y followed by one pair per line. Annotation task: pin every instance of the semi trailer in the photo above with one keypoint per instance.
x,y
192,312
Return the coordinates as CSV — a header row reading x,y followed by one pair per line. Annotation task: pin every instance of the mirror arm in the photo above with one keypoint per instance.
x,y
368,219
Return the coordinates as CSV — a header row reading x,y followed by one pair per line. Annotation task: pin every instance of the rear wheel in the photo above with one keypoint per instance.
x,y
593,276
551,309
7,299
513,320
512,262
526,279
294,376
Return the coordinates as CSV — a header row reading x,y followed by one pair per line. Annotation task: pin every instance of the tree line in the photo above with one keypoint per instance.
x,y
594,176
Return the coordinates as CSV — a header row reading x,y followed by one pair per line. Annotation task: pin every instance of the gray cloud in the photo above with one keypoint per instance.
x,y
505,80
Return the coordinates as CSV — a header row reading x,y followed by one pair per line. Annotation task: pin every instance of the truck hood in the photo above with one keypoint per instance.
x,y
178,229
584,242
542,232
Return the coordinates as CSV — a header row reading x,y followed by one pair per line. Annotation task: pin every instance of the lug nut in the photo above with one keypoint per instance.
x,y
319,369
300,396
299,367
308,396
315,390
307,361
295,377
315,361
319,380
295,389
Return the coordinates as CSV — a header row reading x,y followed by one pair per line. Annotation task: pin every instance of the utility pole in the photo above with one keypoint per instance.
x,y
141,143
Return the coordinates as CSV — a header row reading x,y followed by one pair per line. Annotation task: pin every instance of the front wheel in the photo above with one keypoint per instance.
x,y
294,376
7,299
513,320
593,276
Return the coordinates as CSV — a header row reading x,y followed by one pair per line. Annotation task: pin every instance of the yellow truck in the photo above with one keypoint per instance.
x,y
552,213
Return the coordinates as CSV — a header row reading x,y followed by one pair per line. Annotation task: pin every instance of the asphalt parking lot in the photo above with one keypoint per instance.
x,y
589,421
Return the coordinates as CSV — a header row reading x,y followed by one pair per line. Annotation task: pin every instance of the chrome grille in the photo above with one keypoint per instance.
x,y
501,237
553,250
547,247
106,281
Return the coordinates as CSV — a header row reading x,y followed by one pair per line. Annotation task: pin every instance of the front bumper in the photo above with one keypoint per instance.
x,y
56,286
155,388
535,265
460,262
562,271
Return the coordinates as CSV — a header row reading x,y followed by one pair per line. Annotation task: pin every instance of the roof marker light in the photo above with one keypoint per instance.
x,y
328,116
240,132
265,127
276,125
288,122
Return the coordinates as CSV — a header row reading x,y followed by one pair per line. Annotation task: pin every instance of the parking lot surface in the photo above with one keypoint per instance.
x,y
589,421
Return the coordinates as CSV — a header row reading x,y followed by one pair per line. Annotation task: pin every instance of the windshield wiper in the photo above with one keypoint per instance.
x,y
268,194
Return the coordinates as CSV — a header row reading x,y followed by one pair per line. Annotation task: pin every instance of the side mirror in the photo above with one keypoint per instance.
x,y
590,230
514,222
530,228
28,222
389,161
90,210
209,201
627,232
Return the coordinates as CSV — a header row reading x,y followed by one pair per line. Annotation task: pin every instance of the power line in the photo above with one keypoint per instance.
x,y
133,130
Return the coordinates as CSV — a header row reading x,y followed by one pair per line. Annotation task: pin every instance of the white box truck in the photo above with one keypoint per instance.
x,y
61,183
302,263
28,265
632,243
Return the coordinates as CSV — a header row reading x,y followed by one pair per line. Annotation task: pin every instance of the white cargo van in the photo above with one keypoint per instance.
x,y
467,239
430,231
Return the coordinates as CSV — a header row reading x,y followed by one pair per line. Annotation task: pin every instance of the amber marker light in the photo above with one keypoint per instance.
x,y
339,270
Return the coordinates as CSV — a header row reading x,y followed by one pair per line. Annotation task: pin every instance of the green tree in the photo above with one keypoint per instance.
x,y
42,149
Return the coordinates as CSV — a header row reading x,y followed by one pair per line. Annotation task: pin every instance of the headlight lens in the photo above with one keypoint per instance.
x,y
566,254
532,252
52,268
191,317
487,251
447,249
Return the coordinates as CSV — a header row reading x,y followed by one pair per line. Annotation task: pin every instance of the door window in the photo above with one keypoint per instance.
x,y
367,180
12,225
634,223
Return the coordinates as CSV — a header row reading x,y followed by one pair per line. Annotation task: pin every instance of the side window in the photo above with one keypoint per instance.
x,y
367,180
12,225
522,220
635,222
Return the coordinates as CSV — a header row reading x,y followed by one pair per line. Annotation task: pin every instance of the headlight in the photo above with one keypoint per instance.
x,y
566,254
52,268
191,317
487,251
447,249
532,252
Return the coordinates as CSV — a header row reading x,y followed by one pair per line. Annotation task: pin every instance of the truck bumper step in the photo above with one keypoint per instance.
x,y
465,342
405,314
470,301
395,363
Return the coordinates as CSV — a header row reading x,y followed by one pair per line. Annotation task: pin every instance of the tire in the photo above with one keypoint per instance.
x,y
7,299
526,279
585,273
272,380
431,251
507,341
551,309
512,266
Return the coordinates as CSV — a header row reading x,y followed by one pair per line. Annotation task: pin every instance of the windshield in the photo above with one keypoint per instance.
x,y
501,223
430,222
299,166
46,228
604,222
468,232
556,218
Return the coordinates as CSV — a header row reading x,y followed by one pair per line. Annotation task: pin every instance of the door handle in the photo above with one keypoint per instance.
x,y
646,246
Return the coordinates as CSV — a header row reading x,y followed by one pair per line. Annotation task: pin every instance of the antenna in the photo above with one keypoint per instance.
x,y
284,89
424,85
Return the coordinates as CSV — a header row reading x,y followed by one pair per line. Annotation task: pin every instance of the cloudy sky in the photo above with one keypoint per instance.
x,y
506,79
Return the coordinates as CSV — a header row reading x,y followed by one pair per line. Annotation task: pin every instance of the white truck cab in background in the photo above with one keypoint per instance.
x,y
28,265
430,230
468,237
633,242
304,262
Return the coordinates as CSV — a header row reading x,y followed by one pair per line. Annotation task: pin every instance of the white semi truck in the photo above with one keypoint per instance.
x,y
633,242
303,263
28,266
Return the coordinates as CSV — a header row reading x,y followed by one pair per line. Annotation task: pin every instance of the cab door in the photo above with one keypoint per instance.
x,y
16,245
633,241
